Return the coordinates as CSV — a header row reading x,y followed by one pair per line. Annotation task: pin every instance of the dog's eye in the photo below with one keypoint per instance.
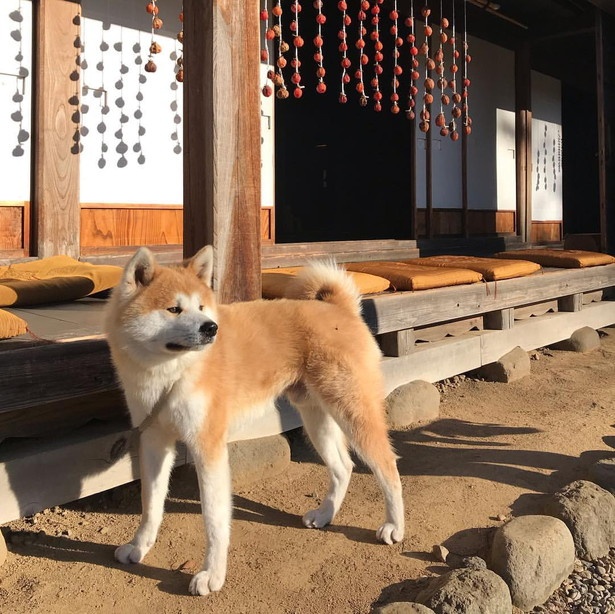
x,y
177,310
200,307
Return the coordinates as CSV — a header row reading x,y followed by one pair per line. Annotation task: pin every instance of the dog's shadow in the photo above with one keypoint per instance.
x,y
66,550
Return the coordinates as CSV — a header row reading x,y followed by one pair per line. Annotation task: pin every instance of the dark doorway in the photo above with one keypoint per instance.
x,y
342,170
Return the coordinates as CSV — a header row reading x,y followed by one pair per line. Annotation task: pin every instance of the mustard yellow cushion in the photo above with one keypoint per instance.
x,y
54,279
275,282
11,325
492,269
563,258
404,276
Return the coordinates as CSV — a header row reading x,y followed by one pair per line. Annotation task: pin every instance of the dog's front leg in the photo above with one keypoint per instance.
x,y
157,453
216,503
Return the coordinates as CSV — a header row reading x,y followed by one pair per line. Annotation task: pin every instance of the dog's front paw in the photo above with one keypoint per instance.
x,y
206,582
129,553
319,518
389,533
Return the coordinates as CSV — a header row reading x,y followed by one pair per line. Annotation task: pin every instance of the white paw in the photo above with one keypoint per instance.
x,y
317,519
389,533
205,582
129,553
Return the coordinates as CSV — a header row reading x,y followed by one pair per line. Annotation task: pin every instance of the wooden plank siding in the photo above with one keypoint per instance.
x,y
112,226
547,232
56,90
222,166
14,229
450,222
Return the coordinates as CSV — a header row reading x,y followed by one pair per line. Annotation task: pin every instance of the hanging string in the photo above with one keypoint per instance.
x,y
179,70
345,62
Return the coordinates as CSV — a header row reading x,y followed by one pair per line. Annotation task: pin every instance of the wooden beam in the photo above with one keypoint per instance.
x,y
55,129
222,141
523,139
429,225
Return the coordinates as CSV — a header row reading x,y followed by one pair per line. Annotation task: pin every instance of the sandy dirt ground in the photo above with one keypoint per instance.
x,y
494,453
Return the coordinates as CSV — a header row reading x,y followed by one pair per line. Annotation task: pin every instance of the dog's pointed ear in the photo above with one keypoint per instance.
x,y
202,264
138,272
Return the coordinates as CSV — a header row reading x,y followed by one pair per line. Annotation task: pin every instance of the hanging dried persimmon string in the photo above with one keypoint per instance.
x,y
179,71
467,120
298,42
152,8
345,62
268,36
414,73
442,82
397,69
455,111
378,56
363,59
428,82
321,86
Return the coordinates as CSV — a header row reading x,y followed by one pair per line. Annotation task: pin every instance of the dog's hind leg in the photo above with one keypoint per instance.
x,y
157,454
216,503
330,443
362,419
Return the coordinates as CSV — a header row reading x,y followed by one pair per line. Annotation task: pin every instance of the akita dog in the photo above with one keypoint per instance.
x,y
190,368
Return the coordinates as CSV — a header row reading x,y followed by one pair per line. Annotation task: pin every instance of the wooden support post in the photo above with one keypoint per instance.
x,y
574,302
414,218
503,319
55,129
523,140
222,141
602,131
397,343
465,227
429,225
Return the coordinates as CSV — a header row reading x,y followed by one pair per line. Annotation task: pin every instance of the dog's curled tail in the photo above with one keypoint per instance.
x,y
325,281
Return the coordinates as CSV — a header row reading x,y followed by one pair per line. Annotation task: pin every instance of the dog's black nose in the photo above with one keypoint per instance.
x,y
209,329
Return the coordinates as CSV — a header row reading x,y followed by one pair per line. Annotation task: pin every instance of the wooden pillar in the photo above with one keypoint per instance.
x,y
465,226
414,218
429,225
222,141
600,111
523,139
55,129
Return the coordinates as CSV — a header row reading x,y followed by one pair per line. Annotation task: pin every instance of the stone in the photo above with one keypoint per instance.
x,y
603,474
589,512
440,553
412,402
467,591
403,607
3,550
534,555
509,368
257,459
584,339
473,562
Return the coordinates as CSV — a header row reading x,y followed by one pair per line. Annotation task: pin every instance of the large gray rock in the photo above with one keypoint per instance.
x,y
584,339
589,512
509,368
403,607
534,555
411,403
467,591
256,459
603,474
3,551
